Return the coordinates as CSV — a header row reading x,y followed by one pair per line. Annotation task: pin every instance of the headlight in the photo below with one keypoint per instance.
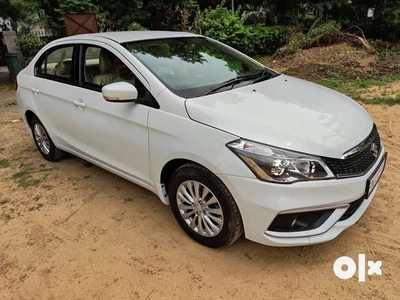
x,y
279,165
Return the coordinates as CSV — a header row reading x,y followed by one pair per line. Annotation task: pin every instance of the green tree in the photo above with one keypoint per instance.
x,y
179,15
75,6
23,13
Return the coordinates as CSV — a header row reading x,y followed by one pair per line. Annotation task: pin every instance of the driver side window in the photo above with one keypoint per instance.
x,y
98,69
101,67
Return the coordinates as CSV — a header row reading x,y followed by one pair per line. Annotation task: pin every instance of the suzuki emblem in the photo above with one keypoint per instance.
x,y
374,149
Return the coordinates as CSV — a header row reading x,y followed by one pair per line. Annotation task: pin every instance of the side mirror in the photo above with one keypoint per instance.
x,y
119,92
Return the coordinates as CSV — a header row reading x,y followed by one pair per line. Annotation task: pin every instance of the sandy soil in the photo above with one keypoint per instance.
x,y
390,90
70,230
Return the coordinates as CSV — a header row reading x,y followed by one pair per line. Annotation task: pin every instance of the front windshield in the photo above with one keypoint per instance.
x,y
191,65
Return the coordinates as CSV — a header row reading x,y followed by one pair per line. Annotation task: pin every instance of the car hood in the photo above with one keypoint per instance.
x,y
286,112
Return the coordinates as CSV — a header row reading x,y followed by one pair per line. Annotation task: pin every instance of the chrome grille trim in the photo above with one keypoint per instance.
x,y
357,163
361,146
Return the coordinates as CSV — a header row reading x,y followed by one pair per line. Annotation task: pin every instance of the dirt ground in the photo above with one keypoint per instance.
x,y
70,230
341,59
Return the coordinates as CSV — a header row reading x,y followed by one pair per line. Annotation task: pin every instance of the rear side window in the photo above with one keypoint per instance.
x,y
56,64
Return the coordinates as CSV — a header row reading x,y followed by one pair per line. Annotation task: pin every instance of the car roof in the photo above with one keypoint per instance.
x,y
130,36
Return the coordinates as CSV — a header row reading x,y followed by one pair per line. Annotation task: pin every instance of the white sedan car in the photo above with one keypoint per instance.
x,y
229,144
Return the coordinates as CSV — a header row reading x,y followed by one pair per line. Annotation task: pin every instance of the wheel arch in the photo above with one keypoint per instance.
x,y
170,167
173,164
29,116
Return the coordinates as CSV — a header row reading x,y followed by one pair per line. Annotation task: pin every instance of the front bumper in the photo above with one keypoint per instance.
x,y
261,202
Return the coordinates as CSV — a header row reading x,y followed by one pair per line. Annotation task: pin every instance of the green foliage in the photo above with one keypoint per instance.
x,y
304,41
382,100
23,13
282,12
253,18
29,45
128,199
180,15
103,18
268,39
75,6
71,7
356,88
4,163
6,86
136,26
222,25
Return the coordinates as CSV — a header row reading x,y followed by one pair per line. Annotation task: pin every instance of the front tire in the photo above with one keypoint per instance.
x,y
204,207
43,141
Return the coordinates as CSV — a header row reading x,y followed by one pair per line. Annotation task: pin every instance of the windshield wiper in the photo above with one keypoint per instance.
x,y
231,82
259,76
266,74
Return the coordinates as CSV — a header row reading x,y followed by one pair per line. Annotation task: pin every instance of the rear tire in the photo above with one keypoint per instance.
x,y
43,141
204,207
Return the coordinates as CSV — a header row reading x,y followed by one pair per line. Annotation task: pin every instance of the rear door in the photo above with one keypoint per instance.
x,y
51,90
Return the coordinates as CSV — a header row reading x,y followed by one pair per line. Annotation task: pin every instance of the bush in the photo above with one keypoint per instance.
x,y
228,28
222,25
268,39
319,35
135,27
385,31
29,45
252,18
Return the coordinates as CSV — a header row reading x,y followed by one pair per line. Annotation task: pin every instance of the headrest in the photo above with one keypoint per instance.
x,y
105,63
63,68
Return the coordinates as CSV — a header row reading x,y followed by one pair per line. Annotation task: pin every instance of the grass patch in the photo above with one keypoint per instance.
x,y
36,198
29,182
47,187
355,89
6,86
21,174
37,207
24,177
4,163
4,201
381,100
128,199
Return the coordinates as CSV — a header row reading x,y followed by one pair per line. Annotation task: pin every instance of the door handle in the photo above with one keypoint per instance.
x,y
81,104
35,90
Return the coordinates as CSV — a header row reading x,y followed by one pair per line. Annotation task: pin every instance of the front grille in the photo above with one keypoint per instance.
x,y
352,208
358,163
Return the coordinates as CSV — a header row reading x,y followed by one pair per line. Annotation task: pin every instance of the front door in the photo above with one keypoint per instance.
x,y
113,134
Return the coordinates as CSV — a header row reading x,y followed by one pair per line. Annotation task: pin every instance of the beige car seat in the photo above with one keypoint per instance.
x,y
107,70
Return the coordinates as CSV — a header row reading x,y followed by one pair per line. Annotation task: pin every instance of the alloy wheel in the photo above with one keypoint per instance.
x,y
41,138
199,208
